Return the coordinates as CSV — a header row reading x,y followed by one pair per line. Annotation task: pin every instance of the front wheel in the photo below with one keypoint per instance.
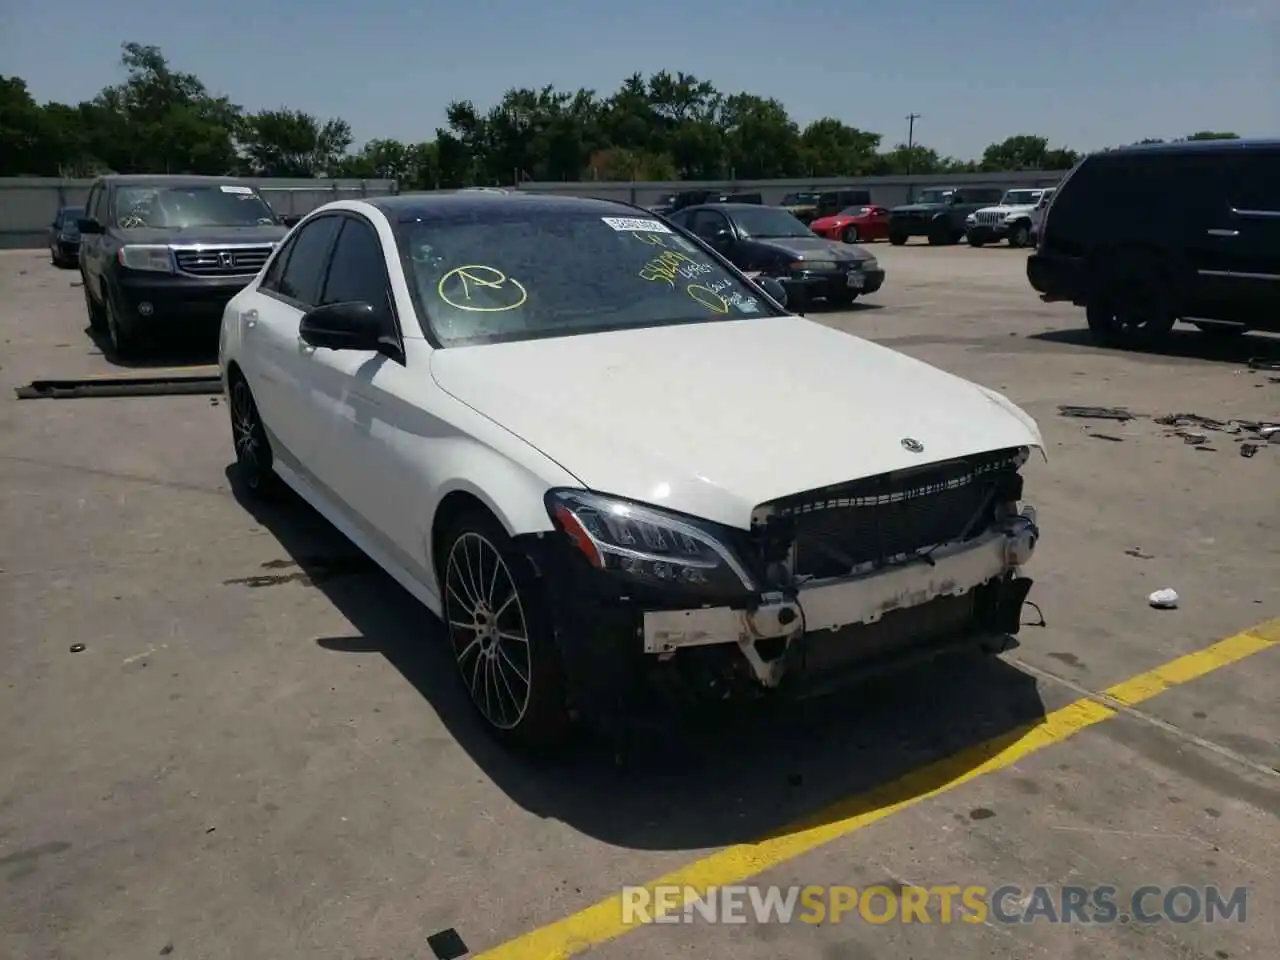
x,y
253,449
844,298
851,234
125,342
500,628
97,313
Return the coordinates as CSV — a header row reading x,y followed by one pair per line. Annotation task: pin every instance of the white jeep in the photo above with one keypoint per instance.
x,y
1016,218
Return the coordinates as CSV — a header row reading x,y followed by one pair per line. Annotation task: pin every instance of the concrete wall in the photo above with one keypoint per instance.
x,y
888,191
28,204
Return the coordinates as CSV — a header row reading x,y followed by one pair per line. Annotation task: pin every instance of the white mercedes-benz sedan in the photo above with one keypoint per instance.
x,y
620,472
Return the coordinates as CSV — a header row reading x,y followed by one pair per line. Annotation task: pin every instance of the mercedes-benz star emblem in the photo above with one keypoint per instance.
x,y
913,446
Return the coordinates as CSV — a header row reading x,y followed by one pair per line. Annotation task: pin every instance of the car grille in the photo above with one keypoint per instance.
x,y
989,217
222,261
875,520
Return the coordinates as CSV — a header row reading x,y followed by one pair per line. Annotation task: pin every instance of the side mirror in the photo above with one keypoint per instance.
x,y
774,288
89,225
354,325
721,238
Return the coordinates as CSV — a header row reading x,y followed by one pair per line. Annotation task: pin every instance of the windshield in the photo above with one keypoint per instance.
x,y
1023,198
799,199
223,205
934,196
527,274
768,222
855,211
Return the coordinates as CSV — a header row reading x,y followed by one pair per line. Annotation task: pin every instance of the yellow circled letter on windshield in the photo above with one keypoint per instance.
x,y
708,298
478,276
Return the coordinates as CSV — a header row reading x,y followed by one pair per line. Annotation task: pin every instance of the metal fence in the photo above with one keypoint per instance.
x,y
886,191
28,204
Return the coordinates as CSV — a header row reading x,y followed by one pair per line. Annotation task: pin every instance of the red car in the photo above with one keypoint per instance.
x,y
854,225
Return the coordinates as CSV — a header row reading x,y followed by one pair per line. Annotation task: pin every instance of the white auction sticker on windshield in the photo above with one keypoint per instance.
x,y
235,189
637,225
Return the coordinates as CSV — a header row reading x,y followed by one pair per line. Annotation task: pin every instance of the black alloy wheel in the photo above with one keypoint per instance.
x,y
253,449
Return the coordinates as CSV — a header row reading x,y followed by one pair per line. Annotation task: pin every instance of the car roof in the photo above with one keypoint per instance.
x,y
408,207
1194,146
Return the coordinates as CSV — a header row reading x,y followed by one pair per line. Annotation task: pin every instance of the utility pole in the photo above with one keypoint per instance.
x,y
911,138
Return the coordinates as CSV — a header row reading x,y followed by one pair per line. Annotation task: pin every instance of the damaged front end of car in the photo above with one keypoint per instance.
x,y
654,608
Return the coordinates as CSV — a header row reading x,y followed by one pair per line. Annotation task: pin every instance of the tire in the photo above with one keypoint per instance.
x,y
125,342
897,239
940,234
501,631
975,240
843,299
1020,234
1132,309
97,313
851,234
249,435
1222,331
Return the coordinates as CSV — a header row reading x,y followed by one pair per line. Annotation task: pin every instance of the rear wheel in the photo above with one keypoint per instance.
x,y
1133,308
897,238
844,298
851,234
501,631
1020,234
975,240
940,233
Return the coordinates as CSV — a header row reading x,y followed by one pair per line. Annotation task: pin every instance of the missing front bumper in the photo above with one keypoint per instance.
x,y
829,607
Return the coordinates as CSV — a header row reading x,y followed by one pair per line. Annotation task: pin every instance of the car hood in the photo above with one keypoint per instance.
x,y
919,208
713,419
1013,208
826,223
813,248
213,236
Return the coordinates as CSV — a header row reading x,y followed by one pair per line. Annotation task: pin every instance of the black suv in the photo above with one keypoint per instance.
x,y
1144,236
169,252
938,213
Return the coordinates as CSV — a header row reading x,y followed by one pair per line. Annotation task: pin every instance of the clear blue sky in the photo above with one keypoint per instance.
x,y
1085,73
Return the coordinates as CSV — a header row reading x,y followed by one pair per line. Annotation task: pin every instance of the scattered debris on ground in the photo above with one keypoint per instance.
x,y
1165,599
1138,552
1097,413
1192,428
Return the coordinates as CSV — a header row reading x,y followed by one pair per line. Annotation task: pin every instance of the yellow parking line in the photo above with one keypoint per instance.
x,y
603,921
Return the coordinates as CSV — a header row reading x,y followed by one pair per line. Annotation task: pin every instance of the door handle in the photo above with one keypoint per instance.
x,y
1224,233
250,318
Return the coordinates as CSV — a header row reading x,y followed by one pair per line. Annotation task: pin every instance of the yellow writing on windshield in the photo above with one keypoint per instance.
x,y
653,239
665,267
495,290
708,298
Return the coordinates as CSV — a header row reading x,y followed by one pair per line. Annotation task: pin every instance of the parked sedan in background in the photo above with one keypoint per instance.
x,y
619,472
772,242
854,224
64,237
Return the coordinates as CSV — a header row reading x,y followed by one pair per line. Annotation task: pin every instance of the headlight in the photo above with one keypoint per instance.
x,y
871,263
142,257
647,544
971,218
814,265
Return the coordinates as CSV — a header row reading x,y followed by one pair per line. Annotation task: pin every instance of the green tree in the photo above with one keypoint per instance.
x,y
292,143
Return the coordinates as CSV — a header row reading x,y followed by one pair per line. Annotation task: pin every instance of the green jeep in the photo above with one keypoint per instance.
x,y
938,213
